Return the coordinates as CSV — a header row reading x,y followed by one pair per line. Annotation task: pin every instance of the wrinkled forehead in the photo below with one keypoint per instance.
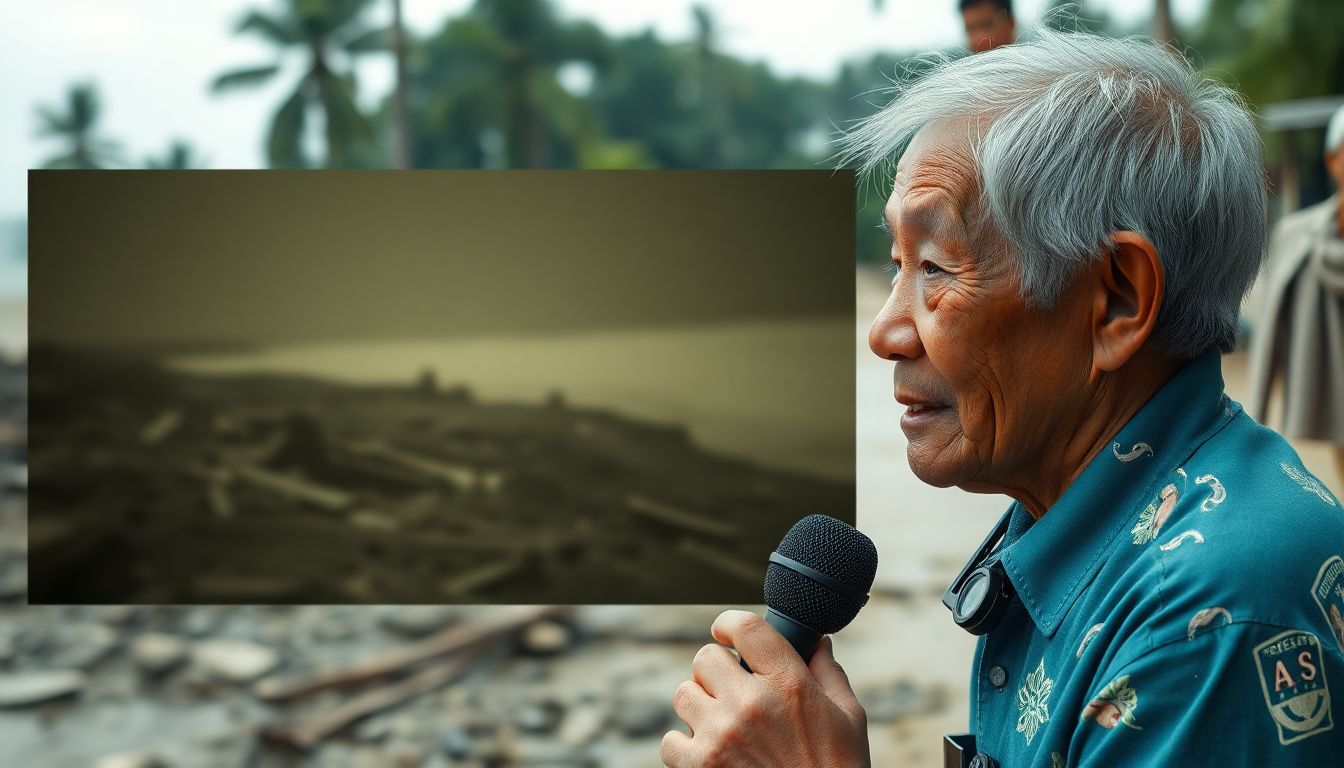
x,y
937,178
940,156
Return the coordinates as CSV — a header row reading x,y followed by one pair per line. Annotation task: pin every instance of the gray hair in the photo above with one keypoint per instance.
x,y
1078,136
1334,131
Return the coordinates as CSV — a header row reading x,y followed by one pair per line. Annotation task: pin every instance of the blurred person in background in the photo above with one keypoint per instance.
x,y
1301,334
989,24
1074,222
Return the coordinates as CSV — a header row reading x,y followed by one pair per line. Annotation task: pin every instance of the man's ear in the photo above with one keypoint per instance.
x,y
1129,288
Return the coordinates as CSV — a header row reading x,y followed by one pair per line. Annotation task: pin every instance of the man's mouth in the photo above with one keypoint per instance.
x,y
918,412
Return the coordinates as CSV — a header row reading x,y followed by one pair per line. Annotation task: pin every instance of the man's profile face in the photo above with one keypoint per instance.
x,y
987,27
988,380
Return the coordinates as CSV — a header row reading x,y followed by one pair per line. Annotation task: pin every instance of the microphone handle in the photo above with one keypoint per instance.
x,y
803,638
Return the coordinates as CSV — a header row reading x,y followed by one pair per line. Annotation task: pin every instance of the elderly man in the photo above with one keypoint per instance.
x,y
1074,222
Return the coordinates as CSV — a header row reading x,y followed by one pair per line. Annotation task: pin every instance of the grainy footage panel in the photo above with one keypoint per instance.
x,y
434,387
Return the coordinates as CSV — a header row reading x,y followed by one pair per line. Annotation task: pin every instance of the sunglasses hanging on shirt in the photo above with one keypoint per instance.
x,y
981,592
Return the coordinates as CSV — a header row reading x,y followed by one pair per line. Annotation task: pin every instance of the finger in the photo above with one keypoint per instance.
x,y
765,650
832,678
676,750
691,702
716,669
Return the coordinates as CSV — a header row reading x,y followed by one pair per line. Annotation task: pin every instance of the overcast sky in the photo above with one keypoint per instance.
x,y
153,60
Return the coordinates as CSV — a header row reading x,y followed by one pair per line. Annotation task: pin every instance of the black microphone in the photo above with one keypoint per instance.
x,y
817,580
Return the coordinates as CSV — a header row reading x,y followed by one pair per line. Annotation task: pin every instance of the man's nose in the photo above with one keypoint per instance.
x,y
893,335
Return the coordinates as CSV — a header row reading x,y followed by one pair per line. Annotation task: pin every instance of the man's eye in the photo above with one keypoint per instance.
x,y
932,269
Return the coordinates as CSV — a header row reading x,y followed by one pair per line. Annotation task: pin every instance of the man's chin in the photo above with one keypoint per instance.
x,y
931,470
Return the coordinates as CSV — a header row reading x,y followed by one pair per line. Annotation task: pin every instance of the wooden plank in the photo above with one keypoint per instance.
x,y
669,515
463,478
305,733
292,487
463,585
454,639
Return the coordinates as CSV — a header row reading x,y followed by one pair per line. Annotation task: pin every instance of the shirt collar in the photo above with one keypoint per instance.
x,y
1051,560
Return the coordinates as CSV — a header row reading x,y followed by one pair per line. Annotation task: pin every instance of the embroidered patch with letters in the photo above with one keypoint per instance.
x,y
1328,591
1292,676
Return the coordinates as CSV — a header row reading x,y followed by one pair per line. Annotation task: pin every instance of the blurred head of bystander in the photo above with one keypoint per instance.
x,y
989,23
1334,153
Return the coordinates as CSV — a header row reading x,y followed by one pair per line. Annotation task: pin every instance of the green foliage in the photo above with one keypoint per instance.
x,y
327,33
74,127
485,90
1275,50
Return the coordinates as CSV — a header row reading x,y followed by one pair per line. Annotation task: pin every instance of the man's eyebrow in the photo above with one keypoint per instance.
x,y
922,217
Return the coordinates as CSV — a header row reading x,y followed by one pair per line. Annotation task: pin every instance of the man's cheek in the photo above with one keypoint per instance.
x,y
976,415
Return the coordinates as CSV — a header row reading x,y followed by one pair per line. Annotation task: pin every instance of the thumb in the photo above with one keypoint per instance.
x,y
832,678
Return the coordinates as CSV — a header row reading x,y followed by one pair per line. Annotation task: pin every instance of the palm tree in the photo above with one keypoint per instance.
x,y
401,120
709,85
490,76
75,127
533,45
323,30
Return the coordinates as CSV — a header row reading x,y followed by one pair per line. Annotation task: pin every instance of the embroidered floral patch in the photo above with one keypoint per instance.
x,y
1308,483
1033,700
1114,705
1154,515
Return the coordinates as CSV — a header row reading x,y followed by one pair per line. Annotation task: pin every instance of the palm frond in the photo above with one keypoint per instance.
x,y
243,78
281,31
346,125
52,123
83,104
370,41
284,144
339,13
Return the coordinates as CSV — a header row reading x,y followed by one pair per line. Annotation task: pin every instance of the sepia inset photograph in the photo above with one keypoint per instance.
x,y
433,387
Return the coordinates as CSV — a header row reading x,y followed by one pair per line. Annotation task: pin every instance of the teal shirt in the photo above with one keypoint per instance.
x,y
1181,604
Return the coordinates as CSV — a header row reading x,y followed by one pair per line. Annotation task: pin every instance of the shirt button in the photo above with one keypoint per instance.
x,y
998,676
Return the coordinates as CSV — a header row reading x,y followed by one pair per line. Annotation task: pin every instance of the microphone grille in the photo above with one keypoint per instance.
x,y
833,548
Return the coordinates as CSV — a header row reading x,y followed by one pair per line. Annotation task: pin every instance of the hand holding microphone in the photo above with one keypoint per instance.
x,y
795,707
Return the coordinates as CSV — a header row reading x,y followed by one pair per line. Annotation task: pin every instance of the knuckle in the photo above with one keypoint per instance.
x,y
704,654
752,625
665,750
860,717
790,688
683,696
793,687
